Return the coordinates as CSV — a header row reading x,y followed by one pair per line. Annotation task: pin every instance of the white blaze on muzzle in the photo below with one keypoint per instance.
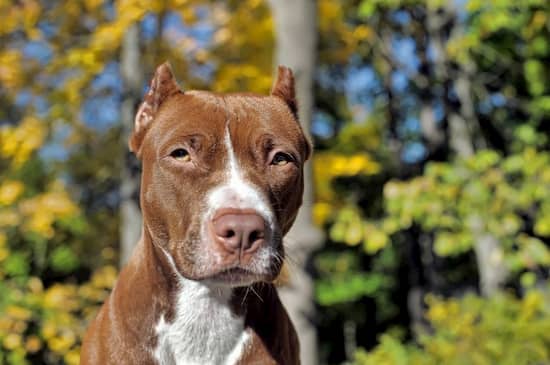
x,y
236,192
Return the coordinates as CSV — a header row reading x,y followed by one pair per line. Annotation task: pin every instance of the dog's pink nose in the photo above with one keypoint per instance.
x,y
239,231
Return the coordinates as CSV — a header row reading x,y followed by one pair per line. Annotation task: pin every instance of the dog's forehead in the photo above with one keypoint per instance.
x,y
210,114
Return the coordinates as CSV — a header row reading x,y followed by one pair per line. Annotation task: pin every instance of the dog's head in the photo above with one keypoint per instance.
x,y
222,177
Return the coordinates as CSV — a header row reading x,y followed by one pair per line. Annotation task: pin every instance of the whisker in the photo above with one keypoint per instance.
x,y
245,295
258,295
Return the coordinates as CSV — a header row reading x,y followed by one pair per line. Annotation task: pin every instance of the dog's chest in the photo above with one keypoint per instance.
x,y
204,330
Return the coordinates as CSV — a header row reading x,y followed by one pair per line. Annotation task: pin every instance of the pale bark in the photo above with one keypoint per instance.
x,y
296,32
132,78
464,137
490,262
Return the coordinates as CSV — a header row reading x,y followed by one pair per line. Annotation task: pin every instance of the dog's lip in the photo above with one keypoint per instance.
x,y
235,276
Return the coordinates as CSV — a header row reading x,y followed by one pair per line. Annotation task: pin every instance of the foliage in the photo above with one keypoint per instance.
x,y
485,190
473,330
488,194
394,77
38,225
48,323
454,95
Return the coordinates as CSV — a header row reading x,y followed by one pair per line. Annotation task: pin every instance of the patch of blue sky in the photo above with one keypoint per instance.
x,y
460,6
40,104
48,29
26,99
360,81
108,79
101,113
38,50
404,49
413,152
149,26
498,100
399,81
494,100
401,17
321,125
361,86
23,98
411,124
431,53
109,7
201,31
54,149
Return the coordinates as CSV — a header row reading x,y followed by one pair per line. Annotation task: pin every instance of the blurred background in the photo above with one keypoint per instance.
x,y
425,233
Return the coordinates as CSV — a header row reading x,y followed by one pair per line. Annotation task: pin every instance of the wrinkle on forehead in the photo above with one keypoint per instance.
x,y
244,115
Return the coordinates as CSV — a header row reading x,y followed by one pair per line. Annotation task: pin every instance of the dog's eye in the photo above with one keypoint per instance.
x,y
281,159
181,154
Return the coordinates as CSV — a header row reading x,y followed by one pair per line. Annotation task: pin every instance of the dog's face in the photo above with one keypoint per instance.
x,y
222,177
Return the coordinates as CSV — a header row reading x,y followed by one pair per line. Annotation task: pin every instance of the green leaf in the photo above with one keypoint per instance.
x,y
63,259
17,264
366,8
348,288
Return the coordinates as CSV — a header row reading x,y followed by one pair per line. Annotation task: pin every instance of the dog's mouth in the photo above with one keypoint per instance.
x,y
237,277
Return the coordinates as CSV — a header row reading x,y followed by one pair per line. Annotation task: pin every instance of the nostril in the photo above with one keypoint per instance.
x,y
230,233
255,235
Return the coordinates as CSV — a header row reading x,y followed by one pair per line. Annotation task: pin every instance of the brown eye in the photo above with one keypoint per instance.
x,y
281,159
181,154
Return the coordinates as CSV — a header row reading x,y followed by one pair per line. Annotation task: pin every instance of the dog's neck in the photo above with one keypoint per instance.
x,y
180,307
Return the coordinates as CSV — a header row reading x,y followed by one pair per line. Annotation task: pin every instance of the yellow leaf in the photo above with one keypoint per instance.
x,y
61,296
12,341
18,312
63,342
374,240
8,218
19,142
35,285
9,191
321,212
72,357
48,329
11,72
33,344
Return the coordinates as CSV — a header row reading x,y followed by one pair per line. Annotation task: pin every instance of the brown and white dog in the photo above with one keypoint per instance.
x,y
221,185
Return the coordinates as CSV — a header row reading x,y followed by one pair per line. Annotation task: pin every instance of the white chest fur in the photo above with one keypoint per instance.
x,y
204,330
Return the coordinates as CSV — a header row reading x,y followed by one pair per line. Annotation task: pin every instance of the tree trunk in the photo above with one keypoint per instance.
x,y
463,127
132,78
296,31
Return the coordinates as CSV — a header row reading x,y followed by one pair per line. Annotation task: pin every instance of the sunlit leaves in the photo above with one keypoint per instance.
x,y
49,320
343,282
10,190
243,46
451,200
535,76
335,290
472,330
18,142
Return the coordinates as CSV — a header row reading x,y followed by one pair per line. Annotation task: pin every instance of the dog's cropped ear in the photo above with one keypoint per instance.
x,y
163,85
284,88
